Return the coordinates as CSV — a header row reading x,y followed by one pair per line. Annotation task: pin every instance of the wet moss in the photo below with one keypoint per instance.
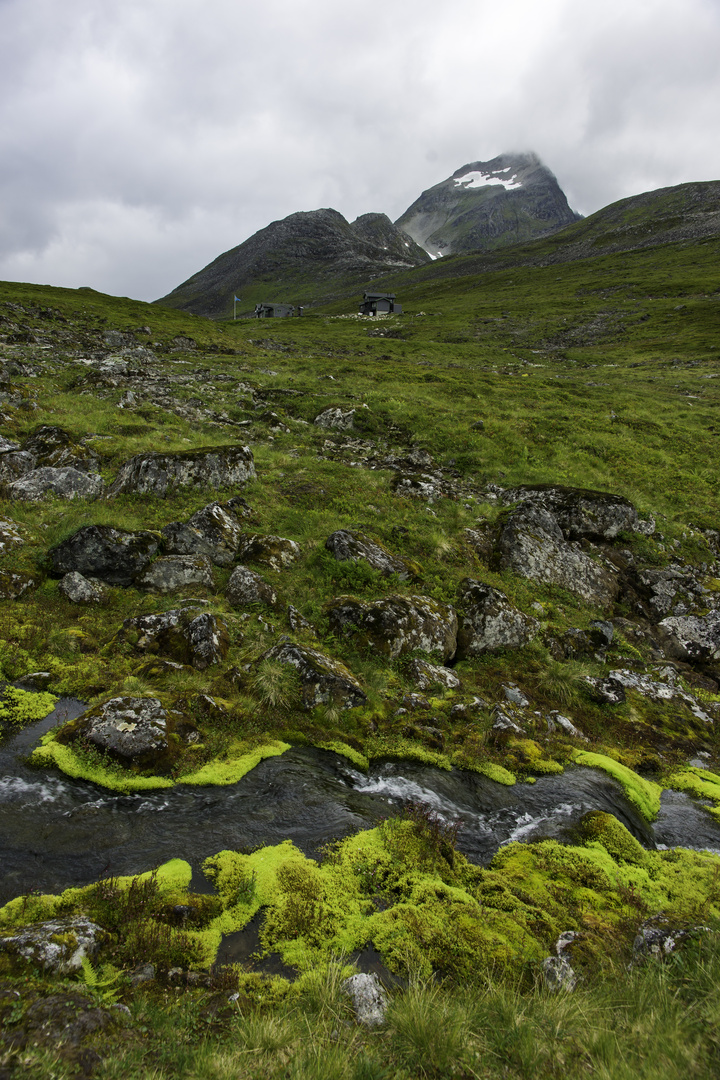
x,y
699,782
21,707
643,794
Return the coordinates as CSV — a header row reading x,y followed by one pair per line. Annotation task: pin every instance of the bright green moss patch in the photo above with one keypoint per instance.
x,y
491,769
396,747
643,794
699,782
337,747
21,707
235,765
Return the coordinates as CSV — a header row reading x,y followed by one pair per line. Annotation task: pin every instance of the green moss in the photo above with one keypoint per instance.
x,y
337,747
396,747
643,794
238,761
21,707
614,837
699,782
491,769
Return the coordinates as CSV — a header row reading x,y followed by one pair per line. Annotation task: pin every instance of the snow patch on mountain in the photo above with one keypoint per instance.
x,y
475,179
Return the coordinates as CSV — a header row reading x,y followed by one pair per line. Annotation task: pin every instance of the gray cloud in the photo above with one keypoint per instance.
x,y
139,141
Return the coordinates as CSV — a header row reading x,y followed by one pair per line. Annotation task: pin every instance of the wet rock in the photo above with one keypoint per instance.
x,y
172,572
9,536
181,634
213,531
335,418
248,587
532,544
158,474
57,945
274,551
595,515
695,637
489,622
13,586
79,590
323,680
369,1000
100,551
129,728
396,625
65,483
14,464
354,547
426,675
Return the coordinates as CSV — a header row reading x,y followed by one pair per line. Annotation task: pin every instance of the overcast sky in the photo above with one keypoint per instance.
x,y
140,139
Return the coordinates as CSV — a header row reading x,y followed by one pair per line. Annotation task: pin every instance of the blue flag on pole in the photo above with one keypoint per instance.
x,y
238,299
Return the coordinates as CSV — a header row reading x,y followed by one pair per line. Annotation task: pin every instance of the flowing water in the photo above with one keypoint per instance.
x,y
56,832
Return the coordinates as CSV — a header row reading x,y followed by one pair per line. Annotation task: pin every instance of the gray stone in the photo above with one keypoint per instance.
x,y
54,446
100,551
323,680
595,515
172,572
79,590
57,945
9,536
354,547
211,467
697,637
298,623
15,464
13,586
181,634
489,622
558,974
66,483
274,551
515,696
369,1000
248,587
213,531
129,727
335,418
396,625
426,675
557,720
657,940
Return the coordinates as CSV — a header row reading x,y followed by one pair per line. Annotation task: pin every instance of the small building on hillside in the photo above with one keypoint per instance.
x,y
379,304
273,311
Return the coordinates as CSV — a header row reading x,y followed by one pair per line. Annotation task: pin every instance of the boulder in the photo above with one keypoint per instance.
x,y
488,621
158,474
248,587
354,547
13,586
14,464
323,680
57,945
172,572
696,638
79,590
213,531
335,418
426,675
558,973
182,634
369,1000
66,483
112,555
9,536
396,625
532,544
129,728
53,446
595,515
274,551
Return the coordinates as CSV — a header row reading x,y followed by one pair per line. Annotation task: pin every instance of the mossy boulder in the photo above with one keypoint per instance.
x,y
172,572
605,829
207,467
132,729
213,531
274,551
323,680
355,546
56,945
579,512
246,586
64,483
489,622
187,635
54,446
396,625
113,555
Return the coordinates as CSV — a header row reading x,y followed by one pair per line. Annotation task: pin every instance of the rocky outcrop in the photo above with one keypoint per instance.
x,y
14,585
57,945
354,547
158,474
213,531
488,621
335,418
183,634
594,515
172,572
248,587
695,638
425,676
115,556
78,590
129,728
396,625
49,461
274,551
65,483
9,536
323,680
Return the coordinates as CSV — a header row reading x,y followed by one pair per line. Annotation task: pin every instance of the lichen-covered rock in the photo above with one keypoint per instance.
x,y
396,625
13,586
181,634
57,945
336,418
213,531
323,679
9,536
274,551
79,590
417,486
14,464
130,728
532,544
353,547
113,555
248,587
66,482
488,621
212,467
596,515
53,446
172,572
697,637
426,675
558,974
369,1000
671,591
